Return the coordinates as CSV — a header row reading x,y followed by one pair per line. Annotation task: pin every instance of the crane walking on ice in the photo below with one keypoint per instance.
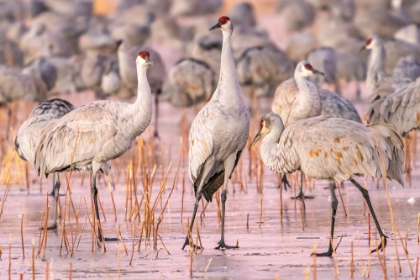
x,y
89,137
333,149
46,113
218,134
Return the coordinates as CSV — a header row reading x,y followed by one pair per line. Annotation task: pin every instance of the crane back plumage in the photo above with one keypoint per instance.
x,y
220,130
401,109
42,116
92,135
333,148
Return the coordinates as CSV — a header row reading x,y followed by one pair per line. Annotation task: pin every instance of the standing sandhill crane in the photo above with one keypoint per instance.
x,y
297,99
333,149
324,59
127,68
46,113
218,134
375,73
189,82
89,137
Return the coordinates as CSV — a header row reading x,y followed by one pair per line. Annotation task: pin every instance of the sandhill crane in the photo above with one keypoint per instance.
x,y
406,71
15,85
42,116
262,69
324,59
214,153
128,76
297,99
333,149
89,137
297,14
189,82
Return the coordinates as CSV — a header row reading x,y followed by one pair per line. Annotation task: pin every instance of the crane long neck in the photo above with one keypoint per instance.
x,y
142,108
308,101
228,90
273,154
376,58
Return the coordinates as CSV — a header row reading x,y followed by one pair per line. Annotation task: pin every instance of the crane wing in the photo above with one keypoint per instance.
x,y
75,139
200,142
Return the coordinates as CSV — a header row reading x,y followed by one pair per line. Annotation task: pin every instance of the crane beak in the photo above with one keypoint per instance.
x,y
362,49
256,139
149,61
218,25
317,72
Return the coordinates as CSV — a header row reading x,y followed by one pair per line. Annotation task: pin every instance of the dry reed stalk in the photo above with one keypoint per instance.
x,y
314,263
111,192
388,199
208,264
9,271
369,232
140,236
21,235
191,262
203,214
418,228
182,194
69,196
342,201
133,234
219,210
33,259
334,254
118,260
352,268
122,241
383,267
102,208
80,236
302,216
247,221
161,240
166,203
6,193
27,176
417,268
338,243
360,253
261,210
405,248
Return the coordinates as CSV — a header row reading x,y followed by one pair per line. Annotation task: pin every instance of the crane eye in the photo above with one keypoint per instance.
x,y
261,124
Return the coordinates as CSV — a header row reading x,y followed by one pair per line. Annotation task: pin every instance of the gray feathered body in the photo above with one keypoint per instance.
x,y
333,149
401,108
30,131
336,106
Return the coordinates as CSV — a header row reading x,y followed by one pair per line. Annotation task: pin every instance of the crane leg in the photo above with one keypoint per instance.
x,y
56,191
229,166
334,204
301,195
365,194
156,134
9,120
189,234
52,193
285,182
95,201
221,243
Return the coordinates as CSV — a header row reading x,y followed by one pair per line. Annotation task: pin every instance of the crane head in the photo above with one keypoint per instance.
x,y
305,69
223,23
118,44
267,122
371,42
144,58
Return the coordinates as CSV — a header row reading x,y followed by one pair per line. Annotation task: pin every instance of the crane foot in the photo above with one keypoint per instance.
x,y
380,248
285,183
301,195
326,254
223,246
53,227
187,242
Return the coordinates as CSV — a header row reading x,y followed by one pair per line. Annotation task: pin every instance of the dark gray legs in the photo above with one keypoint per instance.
x,y
187,241
221,244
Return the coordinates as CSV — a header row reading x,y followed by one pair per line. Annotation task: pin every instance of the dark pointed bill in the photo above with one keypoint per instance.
x,y
317,72
362,49
217,25
256,138
149,61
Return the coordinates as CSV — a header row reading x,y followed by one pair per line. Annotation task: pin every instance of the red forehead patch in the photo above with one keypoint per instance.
x,y
368,41
144,54
224,19
308,67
